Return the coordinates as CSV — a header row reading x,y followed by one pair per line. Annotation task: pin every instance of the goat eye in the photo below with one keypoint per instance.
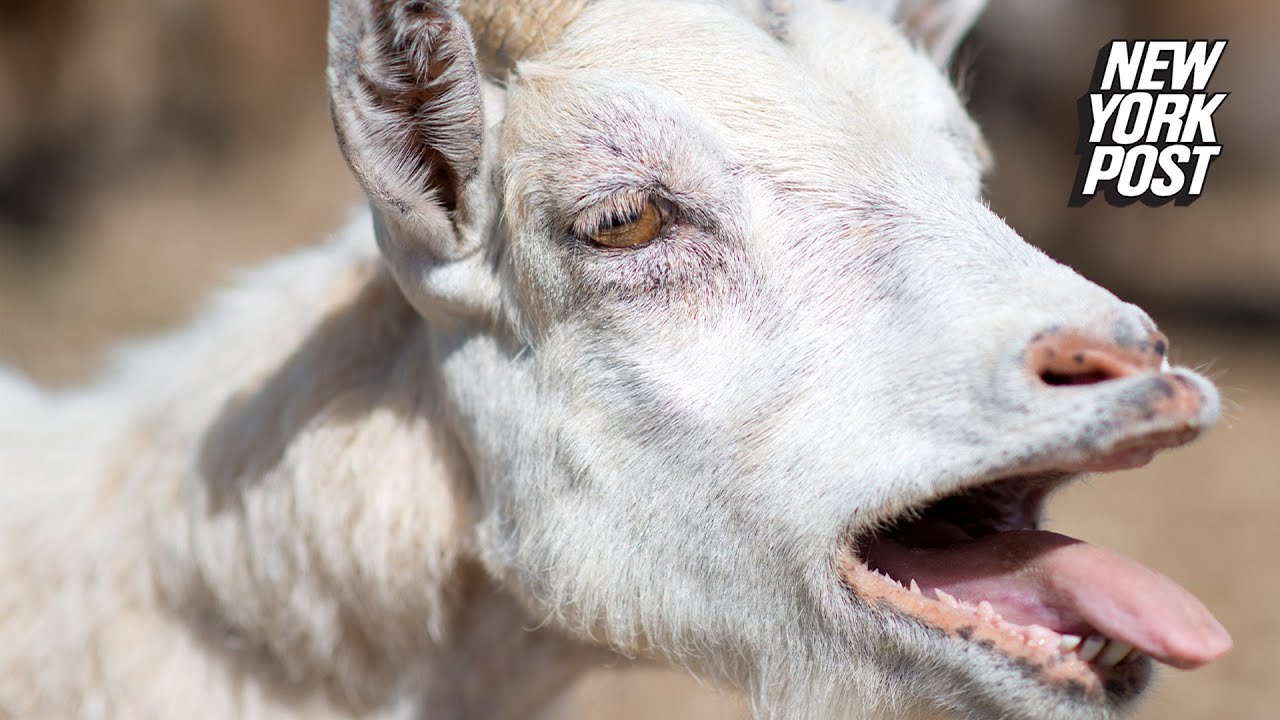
x,y
631,230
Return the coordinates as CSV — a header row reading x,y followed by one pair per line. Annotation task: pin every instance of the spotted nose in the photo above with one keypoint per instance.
x,y
1163,407
1069,357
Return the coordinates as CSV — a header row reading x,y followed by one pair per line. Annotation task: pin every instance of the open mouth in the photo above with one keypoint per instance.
x,y
976,565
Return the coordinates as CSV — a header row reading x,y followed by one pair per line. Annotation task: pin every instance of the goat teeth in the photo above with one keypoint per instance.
x,y
985,611
946,598
1116,651
1069,643
915,588
1091,647
1038,636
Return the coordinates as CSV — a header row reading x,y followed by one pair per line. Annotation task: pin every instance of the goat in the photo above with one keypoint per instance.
x,y
675,331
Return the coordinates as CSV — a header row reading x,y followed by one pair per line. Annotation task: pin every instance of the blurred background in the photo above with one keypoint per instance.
x,y
150,147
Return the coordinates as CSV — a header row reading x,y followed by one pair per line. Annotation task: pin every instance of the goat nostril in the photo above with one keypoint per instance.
x,y
1083,378
1083,367
1068,358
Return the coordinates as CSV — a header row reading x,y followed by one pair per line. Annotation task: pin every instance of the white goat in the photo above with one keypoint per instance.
x,y
689,338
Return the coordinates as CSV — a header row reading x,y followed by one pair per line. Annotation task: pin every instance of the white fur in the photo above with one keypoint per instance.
x,y
423,489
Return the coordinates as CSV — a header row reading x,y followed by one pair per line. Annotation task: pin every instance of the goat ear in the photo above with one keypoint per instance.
x,y
938,25
405,94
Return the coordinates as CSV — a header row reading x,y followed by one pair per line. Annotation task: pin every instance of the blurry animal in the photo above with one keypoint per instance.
x,y
674,330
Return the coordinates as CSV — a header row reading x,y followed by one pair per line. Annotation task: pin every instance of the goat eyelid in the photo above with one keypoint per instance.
x,y
626,221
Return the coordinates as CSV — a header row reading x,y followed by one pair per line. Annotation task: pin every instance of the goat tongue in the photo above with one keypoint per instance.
x,y
1066,585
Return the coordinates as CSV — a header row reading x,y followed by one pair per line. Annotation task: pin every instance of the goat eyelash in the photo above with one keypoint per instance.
x,y
617,210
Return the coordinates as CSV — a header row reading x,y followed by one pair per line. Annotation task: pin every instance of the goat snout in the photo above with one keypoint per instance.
x,y
1070,357
1122,424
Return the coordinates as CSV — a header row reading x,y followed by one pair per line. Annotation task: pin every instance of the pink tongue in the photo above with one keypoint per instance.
x,y
1064,584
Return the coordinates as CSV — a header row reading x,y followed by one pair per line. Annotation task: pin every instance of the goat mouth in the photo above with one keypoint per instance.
x,y
977,565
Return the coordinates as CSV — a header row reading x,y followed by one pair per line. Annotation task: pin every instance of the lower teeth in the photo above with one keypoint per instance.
x,y
1107,652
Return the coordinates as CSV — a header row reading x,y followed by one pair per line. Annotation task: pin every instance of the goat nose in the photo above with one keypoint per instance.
x,y
1069,357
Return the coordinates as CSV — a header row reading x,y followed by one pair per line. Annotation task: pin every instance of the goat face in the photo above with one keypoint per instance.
x,y
725,329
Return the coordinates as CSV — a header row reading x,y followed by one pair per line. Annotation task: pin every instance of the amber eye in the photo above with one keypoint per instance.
x,y
630,229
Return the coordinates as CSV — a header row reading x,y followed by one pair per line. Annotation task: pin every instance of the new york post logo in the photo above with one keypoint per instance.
x,y
1146,125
